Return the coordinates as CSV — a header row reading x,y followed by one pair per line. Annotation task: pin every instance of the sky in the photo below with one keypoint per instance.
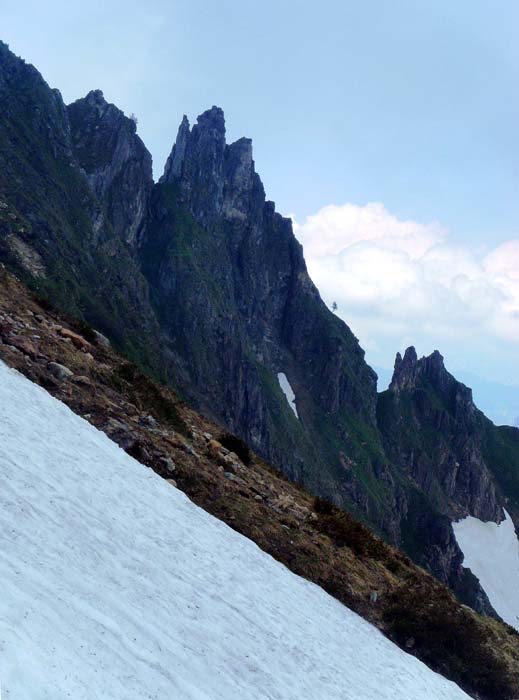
x,y
386,129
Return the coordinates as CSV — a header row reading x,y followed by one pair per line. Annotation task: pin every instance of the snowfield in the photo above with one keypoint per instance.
x,y
115,586
491,552
286,388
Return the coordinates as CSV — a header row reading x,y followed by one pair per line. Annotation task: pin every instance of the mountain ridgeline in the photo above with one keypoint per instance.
x,y
200,281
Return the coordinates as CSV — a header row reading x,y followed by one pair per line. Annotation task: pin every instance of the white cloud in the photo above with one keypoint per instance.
x,y
397,280
335,228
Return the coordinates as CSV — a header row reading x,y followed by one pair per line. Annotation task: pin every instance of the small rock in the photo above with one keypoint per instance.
x,y
172,482
236,479
114,424
79,342
102,340
168,463
24,345
83,380
60,371
258,498
148,422
189,449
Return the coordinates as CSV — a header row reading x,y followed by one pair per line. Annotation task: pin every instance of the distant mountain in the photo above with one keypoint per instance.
x,y
198,280
500,402
460,462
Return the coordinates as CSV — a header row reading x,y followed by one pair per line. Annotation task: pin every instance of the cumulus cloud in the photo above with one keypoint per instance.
x,y
404,280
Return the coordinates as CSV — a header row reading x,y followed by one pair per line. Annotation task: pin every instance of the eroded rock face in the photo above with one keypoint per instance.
x,y
459,462
433,429
74,186
116,163
255,313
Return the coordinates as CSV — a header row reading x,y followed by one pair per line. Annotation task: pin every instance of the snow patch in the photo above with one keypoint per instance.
x,y
491,552
288,391
114,585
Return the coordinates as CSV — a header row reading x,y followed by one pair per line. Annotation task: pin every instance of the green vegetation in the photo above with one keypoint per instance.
x,y
424,617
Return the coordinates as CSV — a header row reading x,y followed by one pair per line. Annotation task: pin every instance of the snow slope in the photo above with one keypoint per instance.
x,y
491,552
288,391
115,586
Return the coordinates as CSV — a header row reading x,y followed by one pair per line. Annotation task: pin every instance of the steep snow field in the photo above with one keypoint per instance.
x,y
115,586
491,552
286,387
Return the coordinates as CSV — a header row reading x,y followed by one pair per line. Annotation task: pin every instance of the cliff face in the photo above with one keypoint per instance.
x,y
459,462
116,164
433,429
201,282
64,225
237,304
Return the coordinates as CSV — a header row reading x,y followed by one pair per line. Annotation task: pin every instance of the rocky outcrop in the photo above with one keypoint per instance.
x,y
116,163
74,185
255,314
432,428
455,458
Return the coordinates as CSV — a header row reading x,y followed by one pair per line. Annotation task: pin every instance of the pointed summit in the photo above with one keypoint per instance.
x,y
215,178
411,373
404,373
173,167
95,97
212,119
116,163
196,162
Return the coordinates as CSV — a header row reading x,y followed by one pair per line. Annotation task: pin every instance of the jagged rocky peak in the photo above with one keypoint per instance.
x,y
96,98
173,168
28,101
404,373
117,164
410,373
215,178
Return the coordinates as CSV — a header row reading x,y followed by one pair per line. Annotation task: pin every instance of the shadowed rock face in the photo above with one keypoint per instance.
x,y
255,313
459,461
74,189
116,163
432,427
200,281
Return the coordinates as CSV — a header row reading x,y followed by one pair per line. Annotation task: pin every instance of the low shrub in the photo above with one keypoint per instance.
x,y
345,531
424,617
148,396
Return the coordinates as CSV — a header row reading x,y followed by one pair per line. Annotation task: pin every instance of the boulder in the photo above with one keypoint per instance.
x,y
61,372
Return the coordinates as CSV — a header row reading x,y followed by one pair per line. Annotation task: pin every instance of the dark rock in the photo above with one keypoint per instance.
x,y
116,163
59,371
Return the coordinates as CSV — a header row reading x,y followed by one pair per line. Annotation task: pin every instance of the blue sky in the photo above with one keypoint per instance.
x,y
411,105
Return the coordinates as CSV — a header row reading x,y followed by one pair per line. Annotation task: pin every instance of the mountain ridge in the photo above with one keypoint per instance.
x,y
198,280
